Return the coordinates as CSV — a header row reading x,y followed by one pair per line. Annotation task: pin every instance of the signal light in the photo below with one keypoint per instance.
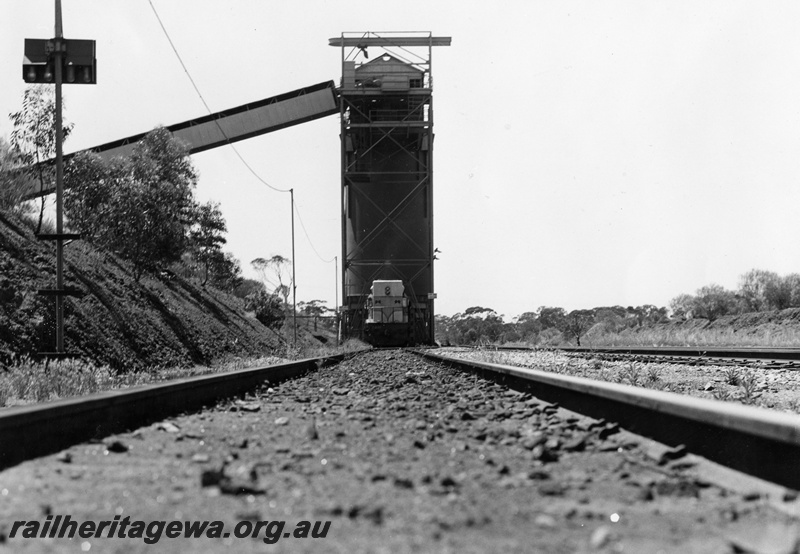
x,y
44,73
78,59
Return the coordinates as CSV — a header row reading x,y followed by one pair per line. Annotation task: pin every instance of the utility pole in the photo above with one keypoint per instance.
x,y
294,282
58,59
336,296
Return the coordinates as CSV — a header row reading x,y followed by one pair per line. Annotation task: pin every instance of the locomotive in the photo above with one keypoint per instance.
x,y
387,317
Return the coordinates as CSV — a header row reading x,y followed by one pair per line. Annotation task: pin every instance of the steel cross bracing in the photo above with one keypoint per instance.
x,y
390,219
417,176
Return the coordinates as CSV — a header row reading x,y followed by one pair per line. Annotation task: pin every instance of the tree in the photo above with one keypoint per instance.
x,y
510,334
275,273
754,286
473,325
15,180
793,284
646,314
577,322
486,323
528,326
552,318
247,287
713,301
445,330
139,207
610,319
778,293
682,306
34,134
92,195
206,237
314,308
267,307
224,271
164,180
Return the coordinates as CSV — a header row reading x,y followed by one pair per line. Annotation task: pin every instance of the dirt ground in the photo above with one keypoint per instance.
x,y
399,455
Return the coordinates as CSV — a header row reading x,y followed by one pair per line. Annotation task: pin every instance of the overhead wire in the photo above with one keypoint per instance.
x,y
228,140
305,231
203,100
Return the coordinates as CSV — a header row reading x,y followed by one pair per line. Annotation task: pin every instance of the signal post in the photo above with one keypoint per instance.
x,y
50,61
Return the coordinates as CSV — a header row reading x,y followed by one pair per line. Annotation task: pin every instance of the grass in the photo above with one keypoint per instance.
x,y
732,375
631,372
27,381
749,384
347,347
653,374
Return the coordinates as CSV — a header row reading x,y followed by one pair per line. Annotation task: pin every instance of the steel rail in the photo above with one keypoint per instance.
x,y
759,442
30,431
788,358
713,352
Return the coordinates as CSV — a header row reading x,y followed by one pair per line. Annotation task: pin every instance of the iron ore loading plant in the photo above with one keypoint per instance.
x,y
385,103
386,108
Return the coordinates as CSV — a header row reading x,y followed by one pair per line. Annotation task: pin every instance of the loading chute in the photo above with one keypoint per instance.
x,y
235,124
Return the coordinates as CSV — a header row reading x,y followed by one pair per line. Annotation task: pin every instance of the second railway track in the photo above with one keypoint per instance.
x,y
758,441
769,358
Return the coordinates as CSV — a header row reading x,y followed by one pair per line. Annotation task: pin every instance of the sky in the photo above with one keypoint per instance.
x,y
587,153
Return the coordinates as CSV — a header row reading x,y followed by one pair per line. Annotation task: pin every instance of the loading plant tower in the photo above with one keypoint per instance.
x,y
386,112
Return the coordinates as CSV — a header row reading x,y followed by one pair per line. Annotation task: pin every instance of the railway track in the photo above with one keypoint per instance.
x,y
758,442
768,358
400,450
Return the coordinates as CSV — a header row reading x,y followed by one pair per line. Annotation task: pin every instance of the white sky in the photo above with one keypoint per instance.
x,y
587,153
